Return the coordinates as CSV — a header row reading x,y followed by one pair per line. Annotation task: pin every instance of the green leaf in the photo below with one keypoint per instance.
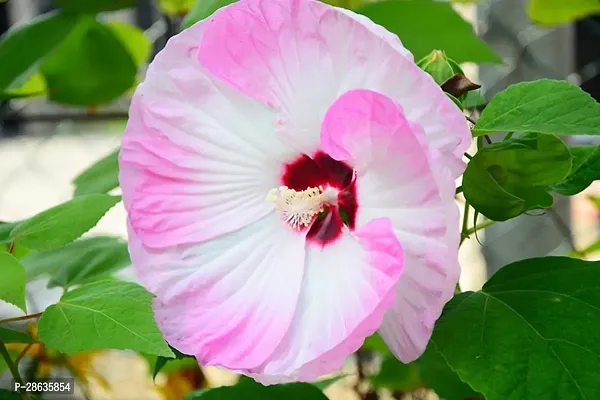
x,y
176,7
202,9
456,101
473,99
325,383
63,223
397,376
555,12
3,367
12,336
255,391
101,177
18,250
12,284
22,48
26,86
544,106
426,25
162,361
506,179
533,330
94,6
585,170
103,315
134,39
10,395
376,344
590,249
5,229
104,69
80,262
437,375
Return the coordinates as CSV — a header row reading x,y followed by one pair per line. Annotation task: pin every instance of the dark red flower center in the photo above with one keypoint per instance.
x,y
323,171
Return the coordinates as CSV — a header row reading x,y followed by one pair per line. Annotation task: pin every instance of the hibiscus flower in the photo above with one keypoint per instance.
x,y
289,177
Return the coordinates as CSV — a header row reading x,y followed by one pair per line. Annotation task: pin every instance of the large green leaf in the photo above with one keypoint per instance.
x,y
103,315
134,39
18,250
533,332
94,6
63,223
202,9
249,390
437,375
11,395
101,177
22,48
544,106
554,12
12,336
12,284
396,376
92,66
506,179
26,86
586,169
79,262
426,25
5,229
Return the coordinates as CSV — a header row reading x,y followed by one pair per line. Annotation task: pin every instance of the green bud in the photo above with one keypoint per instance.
x,y
438,66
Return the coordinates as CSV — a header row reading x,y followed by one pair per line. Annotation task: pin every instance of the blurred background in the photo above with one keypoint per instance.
x,y
65,116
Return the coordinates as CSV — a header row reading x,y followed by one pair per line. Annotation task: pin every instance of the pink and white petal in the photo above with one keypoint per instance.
x,y
298,56
391,38
400,178
229,301
432,269
197,156
376,64
429,282
348,285
272,51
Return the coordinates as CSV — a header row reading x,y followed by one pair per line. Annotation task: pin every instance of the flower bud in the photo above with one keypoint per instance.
x,y
437,65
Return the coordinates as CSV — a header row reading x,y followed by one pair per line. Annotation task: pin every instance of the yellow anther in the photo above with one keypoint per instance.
x,y
298,208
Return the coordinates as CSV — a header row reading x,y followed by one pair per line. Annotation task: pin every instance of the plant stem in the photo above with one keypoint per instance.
x,y
480,226
11,247
465,223
22,353
22,318
480,143
11,365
